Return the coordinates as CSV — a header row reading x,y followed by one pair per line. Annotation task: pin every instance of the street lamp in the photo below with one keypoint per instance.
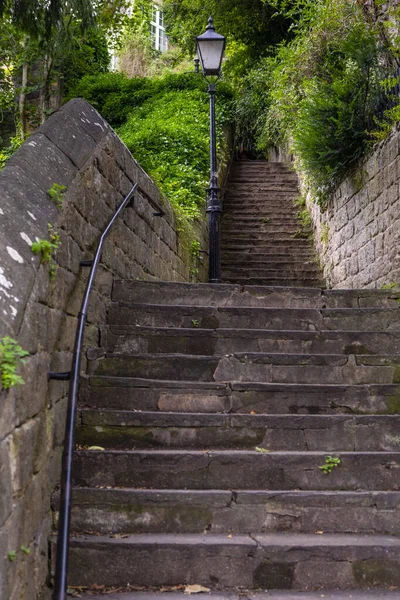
x,y
210,50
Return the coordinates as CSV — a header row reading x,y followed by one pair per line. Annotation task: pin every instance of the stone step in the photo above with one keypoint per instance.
x,y
281,252
126,317
125,393
119,510
289,268
262,186
232,258
128,430
290,245
278,281
204,294
270,270
254,237
273,203
261,229
276,595
227,341
275,561
256,367
231,469
256,219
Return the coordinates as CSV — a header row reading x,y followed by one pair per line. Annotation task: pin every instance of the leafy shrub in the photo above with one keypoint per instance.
x,y
114,95
165,123
169,136
320,93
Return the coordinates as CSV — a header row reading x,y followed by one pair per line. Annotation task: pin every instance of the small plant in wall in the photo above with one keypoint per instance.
x,y
56,193
331,462
11,354
46,249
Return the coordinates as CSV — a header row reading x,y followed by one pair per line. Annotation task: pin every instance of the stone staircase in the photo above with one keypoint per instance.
x,y
262,240
212,412
206,419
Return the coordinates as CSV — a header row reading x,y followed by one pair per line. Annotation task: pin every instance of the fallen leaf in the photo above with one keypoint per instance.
x,y
196,589
319,533
95,448
262,450
253,412
230,536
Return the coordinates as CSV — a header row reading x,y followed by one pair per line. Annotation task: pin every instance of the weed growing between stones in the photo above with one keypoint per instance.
x,y
46,248
10,354
56,193
195,323
330,463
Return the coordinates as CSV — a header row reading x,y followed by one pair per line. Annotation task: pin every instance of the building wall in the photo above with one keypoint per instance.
x,y
75,148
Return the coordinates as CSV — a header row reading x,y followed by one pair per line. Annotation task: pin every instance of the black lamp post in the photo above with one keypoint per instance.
x,y
210,49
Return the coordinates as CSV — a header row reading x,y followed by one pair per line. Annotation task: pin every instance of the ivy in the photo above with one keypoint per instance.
x,y
11,354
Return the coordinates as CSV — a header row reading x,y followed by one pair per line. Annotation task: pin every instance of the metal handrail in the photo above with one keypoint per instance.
x,y
61,571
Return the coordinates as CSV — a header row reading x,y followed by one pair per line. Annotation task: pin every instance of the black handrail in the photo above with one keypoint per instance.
x,y
61,571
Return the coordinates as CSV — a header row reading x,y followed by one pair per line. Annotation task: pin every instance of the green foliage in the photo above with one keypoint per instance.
x,y
324,234
252,23
12,555
11,354
390,286
6,153
165,123
330,463
25,550
195,323
169,137
56,193
46,250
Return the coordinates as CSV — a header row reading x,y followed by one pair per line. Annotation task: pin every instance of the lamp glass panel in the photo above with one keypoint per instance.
x,y
210,54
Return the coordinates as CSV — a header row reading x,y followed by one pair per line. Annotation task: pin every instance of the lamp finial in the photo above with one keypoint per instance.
x,y
210,24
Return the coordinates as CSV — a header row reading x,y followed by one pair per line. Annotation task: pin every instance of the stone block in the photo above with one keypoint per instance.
x,y
24,464
68,131
44,163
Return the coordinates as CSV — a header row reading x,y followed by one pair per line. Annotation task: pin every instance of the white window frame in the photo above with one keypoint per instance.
x,y
157,29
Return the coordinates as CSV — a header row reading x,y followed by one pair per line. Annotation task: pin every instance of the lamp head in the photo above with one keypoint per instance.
x,y
210,49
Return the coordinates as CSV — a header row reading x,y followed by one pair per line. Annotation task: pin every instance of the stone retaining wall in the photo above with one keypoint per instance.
x,y
77,149
358,235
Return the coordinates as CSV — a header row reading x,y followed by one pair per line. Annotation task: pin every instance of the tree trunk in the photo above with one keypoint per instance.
x,y
22,102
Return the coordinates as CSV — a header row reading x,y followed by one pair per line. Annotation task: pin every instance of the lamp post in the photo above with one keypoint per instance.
x,y
210,50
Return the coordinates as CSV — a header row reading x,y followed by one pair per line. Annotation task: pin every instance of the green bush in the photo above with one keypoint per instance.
x,y
165,124
319,93
169,136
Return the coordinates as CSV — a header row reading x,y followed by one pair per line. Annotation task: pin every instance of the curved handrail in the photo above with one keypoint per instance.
x,y
61,570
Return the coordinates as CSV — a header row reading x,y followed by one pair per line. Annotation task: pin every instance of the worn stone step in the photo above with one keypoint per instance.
x,y
264,245
272,271
275,561
227,341
287,267
329,433
260,223
271,203
126,393
231,469
126,317
270,216
277,281
122,510
257,367
277,595
232,258
280,252
252,237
